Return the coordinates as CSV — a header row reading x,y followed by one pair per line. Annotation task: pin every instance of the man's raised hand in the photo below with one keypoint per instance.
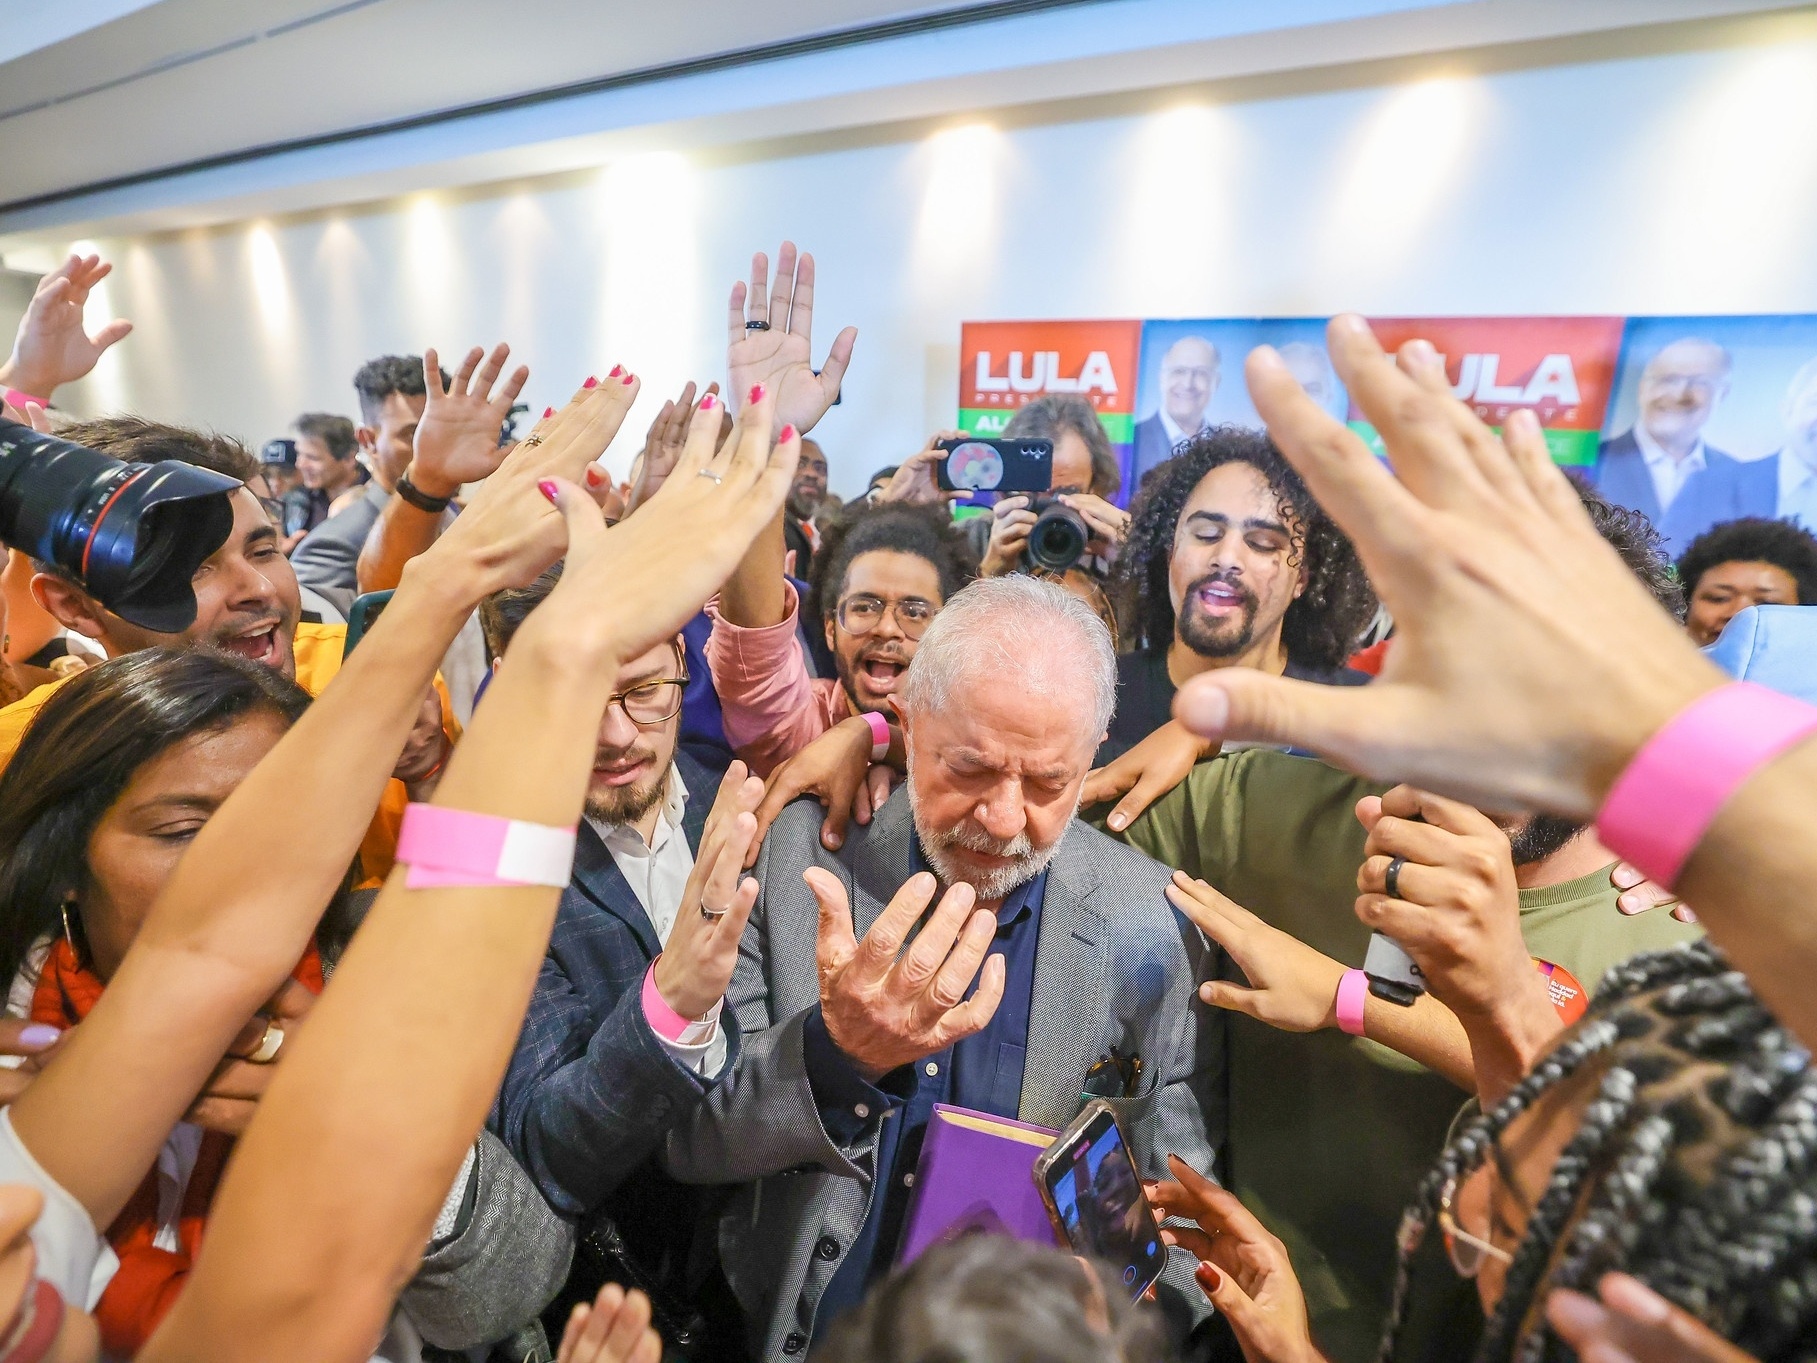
x,y
778,354
885,1007
53,347
697,961
457,439
1529,663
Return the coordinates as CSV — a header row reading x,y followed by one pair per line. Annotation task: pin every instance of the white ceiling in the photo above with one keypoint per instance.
x,y
136,115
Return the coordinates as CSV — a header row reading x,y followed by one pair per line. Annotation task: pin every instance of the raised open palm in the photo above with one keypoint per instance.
x,y
778,353
457,439
53,347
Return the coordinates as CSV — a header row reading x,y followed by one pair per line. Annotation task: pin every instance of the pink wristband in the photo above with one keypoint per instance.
x,y
450,847
880,735
1353,990
1661,806
664,1020
17,400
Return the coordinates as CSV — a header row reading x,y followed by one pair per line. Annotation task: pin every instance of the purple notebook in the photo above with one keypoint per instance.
x,y
976,1175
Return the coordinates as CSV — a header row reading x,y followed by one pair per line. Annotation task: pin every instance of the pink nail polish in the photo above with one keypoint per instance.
x,y
591,382
787,434
617,369
628,379
547,487
548,412
756,394
708,403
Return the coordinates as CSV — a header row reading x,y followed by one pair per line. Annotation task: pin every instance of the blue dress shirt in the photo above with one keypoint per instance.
x,y
983,1072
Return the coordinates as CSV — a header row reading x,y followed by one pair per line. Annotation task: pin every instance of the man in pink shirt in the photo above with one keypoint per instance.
x,y
880,577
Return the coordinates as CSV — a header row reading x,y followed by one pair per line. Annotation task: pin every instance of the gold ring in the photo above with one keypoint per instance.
x,y
533,440
269,1045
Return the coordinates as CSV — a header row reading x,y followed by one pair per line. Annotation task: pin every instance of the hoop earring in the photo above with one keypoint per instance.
x,y
69,934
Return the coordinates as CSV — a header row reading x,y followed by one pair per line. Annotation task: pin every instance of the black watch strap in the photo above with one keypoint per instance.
x,y
421,500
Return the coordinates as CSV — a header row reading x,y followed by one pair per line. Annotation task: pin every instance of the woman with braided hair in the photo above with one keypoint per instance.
x,y
1671,1135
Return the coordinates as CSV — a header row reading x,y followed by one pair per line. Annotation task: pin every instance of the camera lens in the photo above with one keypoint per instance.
x,y
132,534
1057,539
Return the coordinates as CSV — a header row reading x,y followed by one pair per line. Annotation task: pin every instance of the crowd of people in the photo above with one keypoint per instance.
x,y
529,914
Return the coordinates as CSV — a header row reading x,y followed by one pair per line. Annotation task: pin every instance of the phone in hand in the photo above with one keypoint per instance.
x,y
360,615
1093,1192
995,465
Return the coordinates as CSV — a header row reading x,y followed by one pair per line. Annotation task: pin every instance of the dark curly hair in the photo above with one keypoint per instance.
x,y
1322,625
1754,539
926,531
1632,536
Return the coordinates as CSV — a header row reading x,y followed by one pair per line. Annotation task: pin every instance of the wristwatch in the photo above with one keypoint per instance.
x,y
421,500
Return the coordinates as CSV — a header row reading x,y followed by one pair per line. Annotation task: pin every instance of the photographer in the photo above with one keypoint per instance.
x,y
1231,563
1085,477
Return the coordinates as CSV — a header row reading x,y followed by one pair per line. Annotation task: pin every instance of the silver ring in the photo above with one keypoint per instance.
x,y
1392,881
756,326
269,1045
708,473
713,915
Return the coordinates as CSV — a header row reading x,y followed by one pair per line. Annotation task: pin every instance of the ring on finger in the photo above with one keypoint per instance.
x,y
713,915
1391,882
709,473
269,1045
756,326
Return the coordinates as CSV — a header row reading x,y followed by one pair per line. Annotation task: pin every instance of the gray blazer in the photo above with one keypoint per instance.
x,y
328,557
1114,965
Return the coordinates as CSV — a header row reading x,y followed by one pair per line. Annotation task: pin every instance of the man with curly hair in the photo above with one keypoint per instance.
x,y
1748,562
1231,563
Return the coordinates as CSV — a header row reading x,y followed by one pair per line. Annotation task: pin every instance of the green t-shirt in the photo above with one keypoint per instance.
x,y
1330,1135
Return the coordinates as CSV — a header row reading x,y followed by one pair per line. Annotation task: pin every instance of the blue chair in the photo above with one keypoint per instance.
x,y
1775,646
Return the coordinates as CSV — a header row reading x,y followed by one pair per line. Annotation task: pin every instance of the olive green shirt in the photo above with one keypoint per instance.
x,y
1329,1135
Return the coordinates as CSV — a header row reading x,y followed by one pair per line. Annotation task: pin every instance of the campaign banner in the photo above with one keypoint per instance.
x,y
1004,366
1560,368
1690,420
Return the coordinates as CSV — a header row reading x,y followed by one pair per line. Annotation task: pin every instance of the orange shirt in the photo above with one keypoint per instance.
x,y
318,654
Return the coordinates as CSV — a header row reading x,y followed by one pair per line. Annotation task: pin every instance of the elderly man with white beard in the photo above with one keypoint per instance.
x,y
976,945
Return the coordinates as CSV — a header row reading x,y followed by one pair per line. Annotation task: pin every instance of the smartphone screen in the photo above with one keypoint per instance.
x,y
996,466
1096,1194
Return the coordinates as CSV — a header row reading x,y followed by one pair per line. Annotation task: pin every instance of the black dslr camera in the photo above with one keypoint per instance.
x,y
132,534
1058,537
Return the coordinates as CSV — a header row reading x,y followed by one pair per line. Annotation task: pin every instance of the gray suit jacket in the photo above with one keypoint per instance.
x,y
328,556
1115,965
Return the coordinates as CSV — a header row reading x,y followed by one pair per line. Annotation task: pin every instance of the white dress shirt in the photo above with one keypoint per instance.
x,y
1669,475
658,872
1797,489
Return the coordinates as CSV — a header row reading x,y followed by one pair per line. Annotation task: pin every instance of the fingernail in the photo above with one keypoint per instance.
x,y
786,434
708,403
594,476
547,487
1209,1277
39,1035
833,840
548,412
756,394
628,379
1116,821
591,382
617,369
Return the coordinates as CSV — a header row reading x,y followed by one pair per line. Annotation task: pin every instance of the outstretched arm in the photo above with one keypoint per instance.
x,y
53,347
336,1183
238,911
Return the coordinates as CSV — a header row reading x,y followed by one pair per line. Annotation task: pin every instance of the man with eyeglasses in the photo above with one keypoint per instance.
x,y
596,1081
1661,466
881,576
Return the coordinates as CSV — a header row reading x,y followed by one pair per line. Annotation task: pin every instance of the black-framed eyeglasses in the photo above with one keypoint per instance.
x,y
1113,1076
861,613
653,702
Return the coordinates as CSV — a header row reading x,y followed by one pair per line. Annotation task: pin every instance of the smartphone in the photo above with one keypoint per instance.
x,y
996,465
360,615
1093,1191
